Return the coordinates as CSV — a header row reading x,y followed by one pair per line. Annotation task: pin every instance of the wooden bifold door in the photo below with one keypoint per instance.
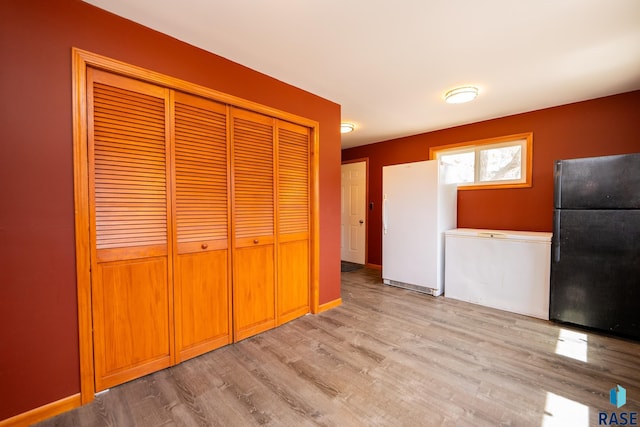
x,y
131,219
199,217
201,182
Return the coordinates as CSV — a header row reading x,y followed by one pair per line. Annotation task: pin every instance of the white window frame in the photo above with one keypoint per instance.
x,y
525,140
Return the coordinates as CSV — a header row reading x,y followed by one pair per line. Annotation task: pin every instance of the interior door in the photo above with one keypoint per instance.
x,y
253,227
293,221
202,284
353,212
129,210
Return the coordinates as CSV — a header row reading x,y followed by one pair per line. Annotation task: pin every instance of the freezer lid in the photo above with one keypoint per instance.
x,y
606,182
529,236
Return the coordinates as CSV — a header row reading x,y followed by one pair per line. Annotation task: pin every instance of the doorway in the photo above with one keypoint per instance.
x,y
354,218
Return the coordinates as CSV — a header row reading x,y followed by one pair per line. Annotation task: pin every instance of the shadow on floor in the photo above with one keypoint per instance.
x,y
346,266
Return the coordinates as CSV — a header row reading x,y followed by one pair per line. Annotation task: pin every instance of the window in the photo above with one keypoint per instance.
x,y
503,162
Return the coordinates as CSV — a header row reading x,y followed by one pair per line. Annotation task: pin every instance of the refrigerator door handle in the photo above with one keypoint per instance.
x,y
556,237
557,184
384,214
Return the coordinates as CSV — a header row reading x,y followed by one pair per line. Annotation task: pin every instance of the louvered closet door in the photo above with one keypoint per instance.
x,y
129,193
293,221
202,293
253,223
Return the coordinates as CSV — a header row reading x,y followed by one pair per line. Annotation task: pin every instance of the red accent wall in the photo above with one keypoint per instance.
x,y
38,312
598,127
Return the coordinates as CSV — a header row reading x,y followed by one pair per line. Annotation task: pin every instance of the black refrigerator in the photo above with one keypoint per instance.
x,y
595,266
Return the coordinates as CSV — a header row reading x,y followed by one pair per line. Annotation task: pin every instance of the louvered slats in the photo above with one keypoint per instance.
x,y
201,170
293,186
129,168
253,177
170,174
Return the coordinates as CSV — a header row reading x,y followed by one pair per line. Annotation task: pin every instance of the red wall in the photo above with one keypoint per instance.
x,y
598,127
38,313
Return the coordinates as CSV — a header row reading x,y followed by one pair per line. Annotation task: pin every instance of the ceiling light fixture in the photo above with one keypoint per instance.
x,y
346,127
461,94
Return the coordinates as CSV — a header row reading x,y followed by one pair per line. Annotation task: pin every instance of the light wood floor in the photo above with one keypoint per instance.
x,y
387,357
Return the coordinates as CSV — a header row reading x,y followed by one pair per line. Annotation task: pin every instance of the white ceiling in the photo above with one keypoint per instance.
x,y
389,63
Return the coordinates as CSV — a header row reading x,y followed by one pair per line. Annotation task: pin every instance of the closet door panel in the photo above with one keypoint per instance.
x,y
129,216
131,338
202,279
253,223
202,287
293,221
293,280
253,290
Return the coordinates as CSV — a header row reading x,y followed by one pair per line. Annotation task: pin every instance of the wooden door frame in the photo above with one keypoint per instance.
x,y
82,59
366,202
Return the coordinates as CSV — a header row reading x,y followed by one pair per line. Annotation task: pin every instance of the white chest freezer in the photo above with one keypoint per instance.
x,y
507,270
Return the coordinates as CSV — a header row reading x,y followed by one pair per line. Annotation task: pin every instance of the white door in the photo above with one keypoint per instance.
x,y
352,222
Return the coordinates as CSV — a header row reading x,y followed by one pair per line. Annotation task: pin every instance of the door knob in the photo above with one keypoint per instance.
x,y
361,221
204,246
256,241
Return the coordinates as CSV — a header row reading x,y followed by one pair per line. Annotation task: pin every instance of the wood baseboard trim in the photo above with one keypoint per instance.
x,y
43,412
374,266
326,306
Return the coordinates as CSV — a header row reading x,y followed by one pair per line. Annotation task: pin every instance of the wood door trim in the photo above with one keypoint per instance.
x,y
314,208
129,70
276,217
81,60
81,207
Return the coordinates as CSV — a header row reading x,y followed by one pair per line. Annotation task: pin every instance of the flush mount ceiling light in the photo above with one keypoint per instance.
x,y
346,127
461,94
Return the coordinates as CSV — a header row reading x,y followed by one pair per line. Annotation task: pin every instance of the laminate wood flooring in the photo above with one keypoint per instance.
x,y
386,357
